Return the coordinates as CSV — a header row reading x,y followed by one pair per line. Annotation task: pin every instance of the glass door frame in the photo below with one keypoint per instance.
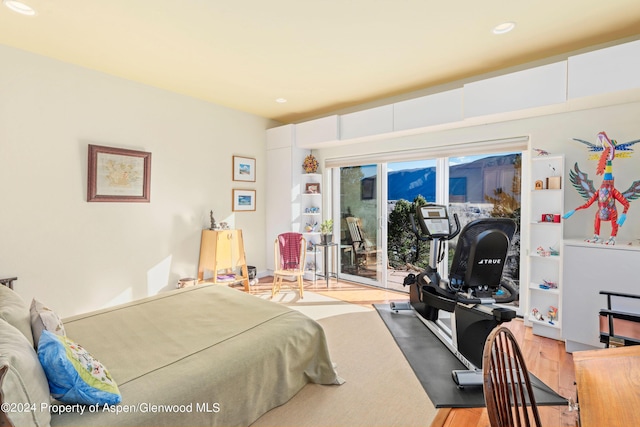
x,y
381,228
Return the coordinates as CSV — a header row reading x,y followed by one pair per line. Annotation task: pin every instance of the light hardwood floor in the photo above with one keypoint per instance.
x,y
545,358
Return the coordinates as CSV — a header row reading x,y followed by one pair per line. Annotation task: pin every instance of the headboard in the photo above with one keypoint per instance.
x,y
8,282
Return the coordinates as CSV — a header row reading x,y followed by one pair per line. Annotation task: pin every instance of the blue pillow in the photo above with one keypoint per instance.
x,y
74,376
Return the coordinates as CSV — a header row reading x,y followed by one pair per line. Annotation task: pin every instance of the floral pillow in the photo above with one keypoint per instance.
x,y
43,318
74,375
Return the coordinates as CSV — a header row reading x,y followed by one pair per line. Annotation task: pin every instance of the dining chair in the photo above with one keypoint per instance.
x,y
289,260
362,247
507,388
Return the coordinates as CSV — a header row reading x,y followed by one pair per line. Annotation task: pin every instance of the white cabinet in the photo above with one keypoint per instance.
x,y
293,198
589,269
282,188
311,214
545,247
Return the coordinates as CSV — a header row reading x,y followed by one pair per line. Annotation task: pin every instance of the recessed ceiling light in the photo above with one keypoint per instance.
x,y
503,28
281,100
19,7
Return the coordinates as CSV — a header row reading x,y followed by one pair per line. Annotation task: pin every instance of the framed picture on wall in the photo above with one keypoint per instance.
x,y
244,200
244,169
118,175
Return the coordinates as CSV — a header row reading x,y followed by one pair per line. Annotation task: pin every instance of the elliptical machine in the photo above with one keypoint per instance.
x,y
475,285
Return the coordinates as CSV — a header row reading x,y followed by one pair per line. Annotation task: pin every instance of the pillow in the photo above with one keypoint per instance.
x,y
16,313
74,375
24,383
44,318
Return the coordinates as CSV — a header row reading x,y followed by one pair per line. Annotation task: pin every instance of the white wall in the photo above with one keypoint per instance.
x,y
551,132
76,256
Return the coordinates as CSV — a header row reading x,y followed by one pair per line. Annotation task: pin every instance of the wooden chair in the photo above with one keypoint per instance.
x,y
290,251
362,247
507,388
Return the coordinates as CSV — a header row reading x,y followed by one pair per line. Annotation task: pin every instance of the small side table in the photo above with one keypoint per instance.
x,y
326,274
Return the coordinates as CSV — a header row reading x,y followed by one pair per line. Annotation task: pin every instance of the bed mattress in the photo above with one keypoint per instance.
x,y
205,355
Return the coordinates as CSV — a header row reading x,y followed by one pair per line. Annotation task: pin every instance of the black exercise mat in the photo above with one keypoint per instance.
x,y
432,363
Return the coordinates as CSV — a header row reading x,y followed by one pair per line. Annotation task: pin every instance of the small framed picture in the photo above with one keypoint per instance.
x,y
118,175
312,188
244,169
244,200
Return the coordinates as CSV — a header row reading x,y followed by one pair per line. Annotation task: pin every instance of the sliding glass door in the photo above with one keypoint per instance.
x,y
374,203
362,254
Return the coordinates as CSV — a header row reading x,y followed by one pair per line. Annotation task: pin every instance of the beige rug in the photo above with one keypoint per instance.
x,y
314,305
380,389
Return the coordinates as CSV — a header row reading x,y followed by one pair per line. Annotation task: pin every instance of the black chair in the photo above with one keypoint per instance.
x,y
617,327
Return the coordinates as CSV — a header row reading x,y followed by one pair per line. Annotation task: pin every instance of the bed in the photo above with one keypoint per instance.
x,y
204,355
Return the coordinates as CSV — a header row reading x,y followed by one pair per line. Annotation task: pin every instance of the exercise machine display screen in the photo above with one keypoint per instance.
x,y
434,219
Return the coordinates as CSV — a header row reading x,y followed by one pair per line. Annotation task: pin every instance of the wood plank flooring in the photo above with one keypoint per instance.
x,y
545,358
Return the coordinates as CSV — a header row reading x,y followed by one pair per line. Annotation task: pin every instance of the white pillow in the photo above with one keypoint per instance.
x,y
43,318
15,312
24,383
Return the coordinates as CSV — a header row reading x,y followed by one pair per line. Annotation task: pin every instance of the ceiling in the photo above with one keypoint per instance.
x,y
320,55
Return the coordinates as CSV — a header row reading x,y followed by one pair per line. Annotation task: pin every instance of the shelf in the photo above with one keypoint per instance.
x,y
554,258
545,323
536,287
548,190
545,235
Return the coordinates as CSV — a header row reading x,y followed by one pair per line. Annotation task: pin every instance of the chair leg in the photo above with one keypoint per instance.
x,y
275,286
300,285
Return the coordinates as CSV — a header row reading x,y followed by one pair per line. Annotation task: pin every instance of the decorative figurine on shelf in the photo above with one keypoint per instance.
x,y
547,284
537,315
607,194
310,164
541,152
552,314
213,221
224,226
310,228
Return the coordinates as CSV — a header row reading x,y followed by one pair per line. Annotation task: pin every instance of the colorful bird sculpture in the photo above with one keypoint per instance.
x,y
607,194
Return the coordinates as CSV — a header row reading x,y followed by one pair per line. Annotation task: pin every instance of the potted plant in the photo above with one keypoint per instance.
x,y
326,231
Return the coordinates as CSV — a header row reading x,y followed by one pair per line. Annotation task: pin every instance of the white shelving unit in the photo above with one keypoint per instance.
x,y
311,214
546,245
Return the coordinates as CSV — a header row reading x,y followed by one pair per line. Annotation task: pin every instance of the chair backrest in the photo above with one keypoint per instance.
x,y
358,236
290,251
507,388
354,230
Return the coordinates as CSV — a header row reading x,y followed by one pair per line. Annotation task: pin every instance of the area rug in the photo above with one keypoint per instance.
x,y
432,363
314,305
380,388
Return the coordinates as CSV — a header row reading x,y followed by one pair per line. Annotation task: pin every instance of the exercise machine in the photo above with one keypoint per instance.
x,y
461,310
